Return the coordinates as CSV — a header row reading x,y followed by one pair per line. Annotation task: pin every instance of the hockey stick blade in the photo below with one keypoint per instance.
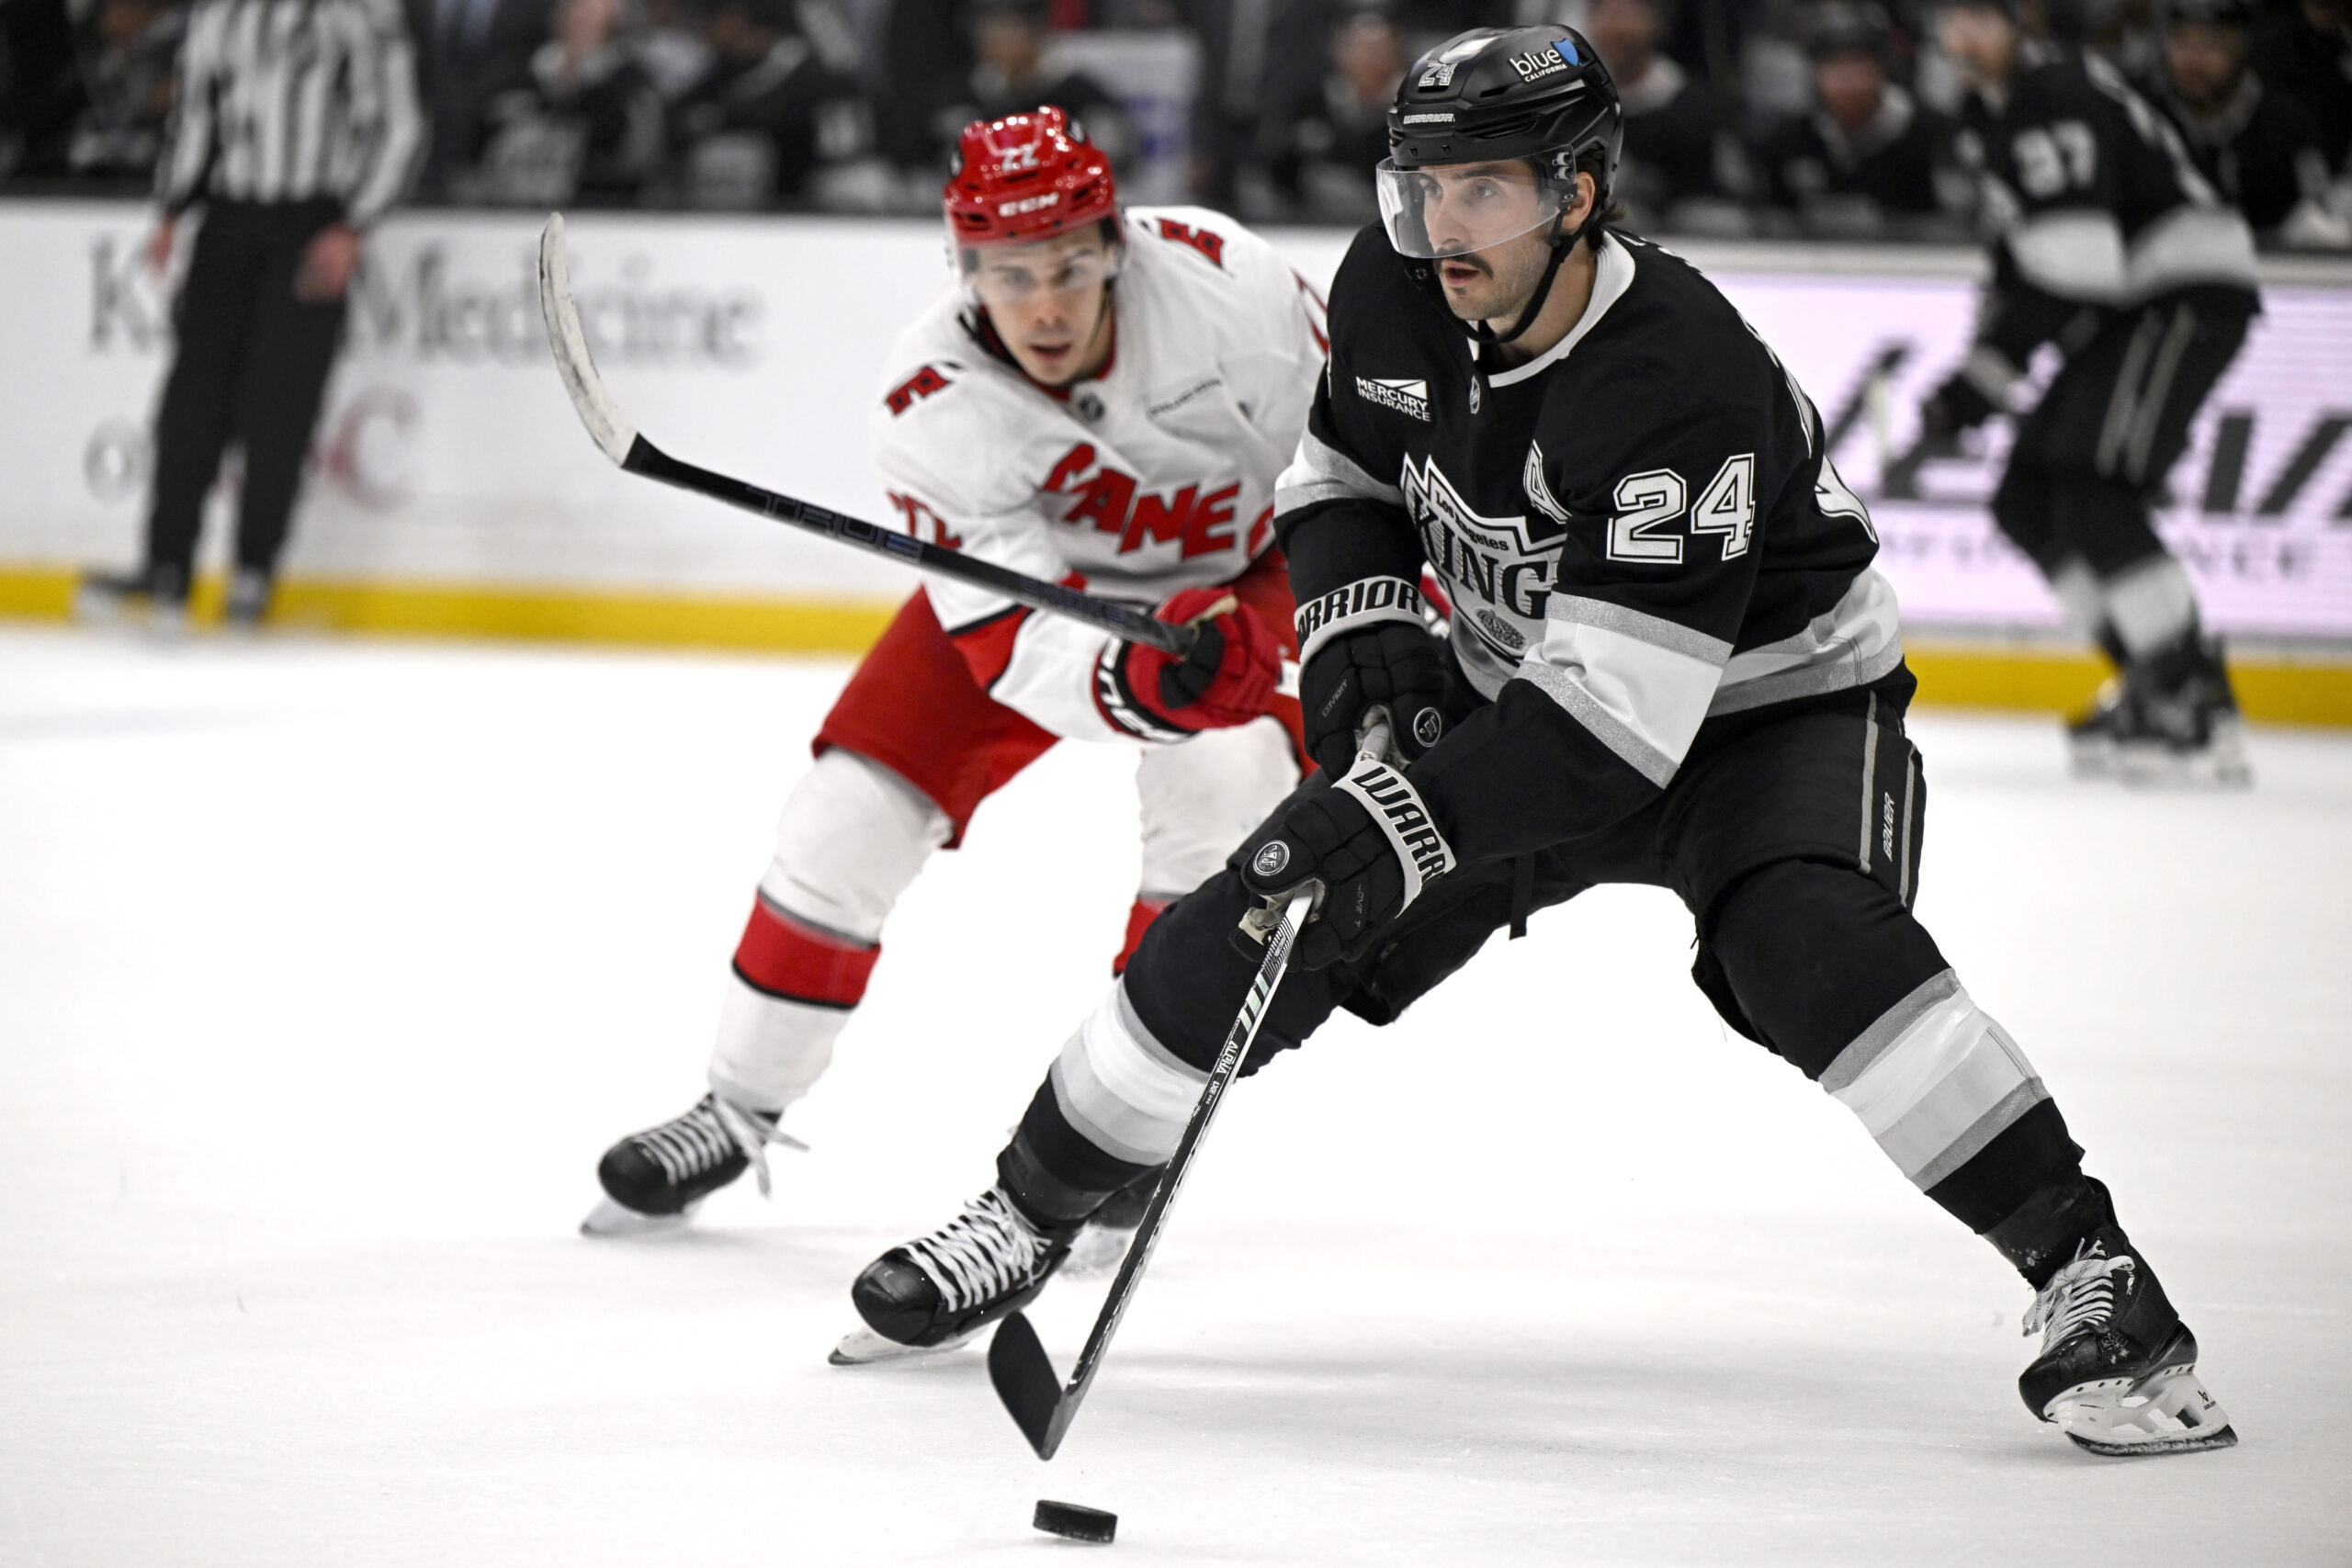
x,y
1025,1381
621,441
597,410
1018,1366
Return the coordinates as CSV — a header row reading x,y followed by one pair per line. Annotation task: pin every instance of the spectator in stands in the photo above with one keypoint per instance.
x,y
1014,72
40,88
2308,54
128,77
670,47
581,122
777,118
1683,167
2259,146
476,45
919,58
1316,158
1870,161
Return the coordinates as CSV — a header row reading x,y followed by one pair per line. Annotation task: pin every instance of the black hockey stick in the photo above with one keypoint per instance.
x,y
621,443
1025,1377
1040,1404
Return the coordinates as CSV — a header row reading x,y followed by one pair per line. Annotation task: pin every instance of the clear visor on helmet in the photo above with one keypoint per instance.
x,y
1450,209
1006,274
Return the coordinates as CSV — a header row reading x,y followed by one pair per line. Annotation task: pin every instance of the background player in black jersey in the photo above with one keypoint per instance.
x,y
2113,248
2256,142
1670,663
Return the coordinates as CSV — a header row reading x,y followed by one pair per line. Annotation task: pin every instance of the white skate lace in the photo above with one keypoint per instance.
x,y
704,1138
983,1252
2080,1295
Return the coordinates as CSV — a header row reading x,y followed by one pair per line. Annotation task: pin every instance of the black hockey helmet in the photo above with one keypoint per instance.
x,y
1494,95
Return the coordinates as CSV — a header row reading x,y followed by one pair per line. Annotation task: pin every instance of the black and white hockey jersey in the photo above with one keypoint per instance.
x,y
2096,204
2260,148
1638,529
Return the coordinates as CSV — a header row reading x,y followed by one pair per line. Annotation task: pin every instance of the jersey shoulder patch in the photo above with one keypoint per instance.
x,y
931,379
1207,235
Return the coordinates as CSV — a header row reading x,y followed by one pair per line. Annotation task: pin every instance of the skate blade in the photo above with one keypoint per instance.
x,y
2090,758
861,1346
2168,1412
1097,1251
609,1220
2220,766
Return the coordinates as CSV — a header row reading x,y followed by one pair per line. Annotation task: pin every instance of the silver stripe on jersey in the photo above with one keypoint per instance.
x,y
294,100
1321,472
2190,245
1855,642
2072,252
1640,684
1688,641
1636,753
1361,604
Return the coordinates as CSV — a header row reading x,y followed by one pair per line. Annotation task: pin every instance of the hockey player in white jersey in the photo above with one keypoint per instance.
x,y
1099,398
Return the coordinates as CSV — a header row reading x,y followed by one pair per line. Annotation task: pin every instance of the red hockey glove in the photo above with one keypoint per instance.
x,y
1227,680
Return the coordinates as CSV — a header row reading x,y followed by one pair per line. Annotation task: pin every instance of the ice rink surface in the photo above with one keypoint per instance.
x,y
328,970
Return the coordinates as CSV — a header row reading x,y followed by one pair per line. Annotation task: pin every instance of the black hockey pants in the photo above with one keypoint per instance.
x,y
251,365
2092,456
1792,836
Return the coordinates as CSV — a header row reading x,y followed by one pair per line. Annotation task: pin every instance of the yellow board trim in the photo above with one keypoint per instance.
x,y
1951,674
540,614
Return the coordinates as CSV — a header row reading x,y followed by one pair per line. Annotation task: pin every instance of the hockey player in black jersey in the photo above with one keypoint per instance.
x,y
2255,142
1670,663
2113,248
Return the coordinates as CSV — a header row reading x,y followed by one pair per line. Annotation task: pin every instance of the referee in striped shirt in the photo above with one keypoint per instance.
x,y
296,125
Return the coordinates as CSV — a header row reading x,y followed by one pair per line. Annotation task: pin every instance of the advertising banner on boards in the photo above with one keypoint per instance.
x,y
447,452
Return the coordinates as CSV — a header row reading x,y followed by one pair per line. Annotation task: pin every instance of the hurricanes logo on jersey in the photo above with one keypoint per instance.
x,y
1497,570
1198,520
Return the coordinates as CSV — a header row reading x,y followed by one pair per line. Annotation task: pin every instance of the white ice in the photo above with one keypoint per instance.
x,y
327,970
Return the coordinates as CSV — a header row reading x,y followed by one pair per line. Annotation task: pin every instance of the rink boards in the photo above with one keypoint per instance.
x,y
452,492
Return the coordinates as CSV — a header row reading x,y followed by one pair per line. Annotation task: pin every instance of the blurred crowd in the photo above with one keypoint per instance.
x,y
1814,117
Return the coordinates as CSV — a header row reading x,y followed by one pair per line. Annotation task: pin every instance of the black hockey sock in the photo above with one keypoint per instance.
x,y
2041,1238
1053,1171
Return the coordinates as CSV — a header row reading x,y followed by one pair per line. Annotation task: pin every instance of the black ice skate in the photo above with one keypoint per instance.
x,y
2170,718
654,1181
936,1292
156,595
247,604
2118,1368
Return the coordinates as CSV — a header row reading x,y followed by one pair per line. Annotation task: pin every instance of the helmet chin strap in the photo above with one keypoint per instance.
x,y
1562,245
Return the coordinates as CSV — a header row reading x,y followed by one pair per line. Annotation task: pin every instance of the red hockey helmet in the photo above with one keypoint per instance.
x,y
1026,177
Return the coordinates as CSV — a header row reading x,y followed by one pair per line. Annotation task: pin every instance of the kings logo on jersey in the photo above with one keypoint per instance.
x,y
1497,570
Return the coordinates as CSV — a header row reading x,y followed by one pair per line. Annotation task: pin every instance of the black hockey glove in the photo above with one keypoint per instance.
x,y
1366,837
1957,405
1363,646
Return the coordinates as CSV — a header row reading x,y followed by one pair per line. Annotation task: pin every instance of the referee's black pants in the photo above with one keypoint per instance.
x,y
252,365
2092,457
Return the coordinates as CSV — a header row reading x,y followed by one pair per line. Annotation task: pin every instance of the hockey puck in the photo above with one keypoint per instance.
x,y
1076,1522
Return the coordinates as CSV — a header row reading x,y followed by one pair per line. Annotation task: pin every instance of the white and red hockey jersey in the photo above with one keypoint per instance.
x,y
1157,475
